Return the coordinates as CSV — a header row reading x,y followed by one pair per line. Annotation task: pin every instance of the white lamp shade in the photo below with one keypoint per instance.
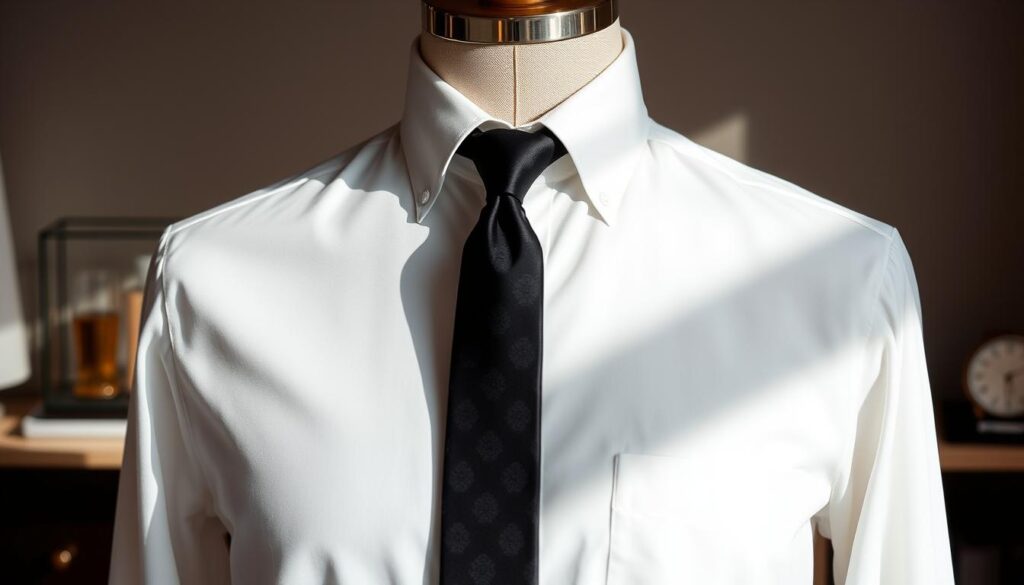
x,y
14,357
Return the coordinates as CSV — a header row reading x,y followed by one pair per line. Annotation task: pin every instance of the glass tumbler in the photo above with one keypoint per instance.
x,y
95,328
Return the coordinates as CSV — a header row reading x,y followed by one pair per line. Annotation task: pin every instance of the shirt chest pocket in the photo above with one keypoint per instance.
x,y
673,522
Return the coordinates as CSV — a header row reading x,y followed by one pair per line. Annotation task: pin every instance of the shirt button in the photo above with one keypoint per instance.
x,y
603,196
424,195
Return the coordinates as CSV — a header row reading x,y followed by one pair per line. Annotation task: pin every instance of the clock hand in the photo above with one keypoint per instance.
x,y
1009,376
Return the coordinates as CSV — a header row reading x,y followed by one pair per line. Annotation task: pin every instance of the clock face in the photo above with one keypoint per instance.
x,y
995,376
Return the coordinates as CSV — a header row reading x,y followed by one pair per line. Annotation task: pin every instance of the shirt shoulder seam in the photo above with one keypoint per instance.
x,y
186,416
296,180
851,407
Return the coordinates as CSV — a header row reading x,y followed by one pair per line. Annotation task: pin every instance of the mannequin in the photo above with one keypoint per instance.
x,y
517,59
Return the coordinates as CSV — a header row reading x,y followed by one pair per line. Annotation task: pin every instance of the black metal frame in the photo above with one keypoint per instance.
x,y
58,401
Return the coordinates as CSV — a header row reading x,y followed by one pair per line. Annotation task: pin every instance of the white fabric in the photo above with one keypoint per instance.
x,y
14,360
730,362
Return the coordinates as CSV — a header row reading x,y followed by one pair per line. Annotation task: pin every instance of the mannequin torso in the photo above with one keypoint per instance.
x,y
517,83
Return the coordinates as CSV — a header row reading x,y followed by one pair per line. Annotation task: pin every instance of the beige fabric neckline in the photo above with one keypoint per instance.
x,y
518,83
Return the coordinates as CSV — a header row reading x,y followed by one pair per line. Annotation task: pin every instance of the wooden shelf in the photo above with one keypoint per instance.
x,y
958,457
969,457
19,451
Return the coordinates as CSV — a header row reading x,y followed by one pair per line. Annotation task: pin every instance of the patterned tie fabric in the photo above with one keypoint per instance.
x,y
491,485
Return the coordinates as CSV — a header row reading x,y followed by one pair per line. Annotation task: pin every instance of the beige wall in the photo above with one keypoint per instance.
x,y
906,111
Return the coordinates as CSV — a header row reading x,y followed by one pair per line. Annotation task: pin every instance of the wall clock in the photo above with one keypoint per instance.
x,y
994,377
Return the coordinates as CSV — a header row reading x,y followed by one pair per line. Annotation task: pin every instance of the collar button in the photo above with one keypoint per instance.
x,y
425,195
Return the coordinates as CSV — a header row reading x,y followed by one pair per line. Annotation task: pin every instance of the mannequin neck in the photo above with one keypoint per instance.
x,y
519,83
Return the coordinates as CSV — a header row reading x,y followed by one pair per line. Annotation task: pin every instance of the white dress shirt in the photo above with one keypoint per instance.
x,y
730,362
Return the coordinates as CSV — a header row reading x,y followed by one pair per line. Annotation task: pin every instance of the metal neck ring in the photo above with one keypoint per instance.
x,y
538,28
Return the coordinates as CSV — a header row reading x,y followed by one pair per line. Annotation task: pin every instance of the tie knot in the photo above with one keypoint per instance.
x,y
510,160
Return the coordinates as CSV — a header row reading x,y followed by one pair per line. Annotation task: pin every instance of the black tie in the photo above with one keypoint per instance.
x,y
491,490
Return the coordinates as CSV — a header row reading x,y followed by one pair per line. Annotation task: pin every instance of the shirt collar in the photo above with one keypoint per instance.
x,y
603,126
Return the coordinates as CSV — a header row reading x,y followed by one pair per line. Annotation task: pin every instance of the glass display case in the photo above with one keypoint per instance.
x,y
92,271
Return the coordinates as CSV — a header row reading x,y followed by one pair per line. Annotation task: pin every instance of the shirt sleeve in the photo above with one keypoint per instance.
x,y
164,531
886,517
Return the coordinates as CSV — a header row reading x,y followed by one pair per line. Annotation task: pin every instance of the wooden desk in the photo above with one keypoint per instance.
x,y
18,451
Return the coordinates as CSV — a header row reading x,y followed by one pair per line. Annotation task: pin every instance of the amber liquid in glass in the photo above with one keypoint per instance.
x,y
95,335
